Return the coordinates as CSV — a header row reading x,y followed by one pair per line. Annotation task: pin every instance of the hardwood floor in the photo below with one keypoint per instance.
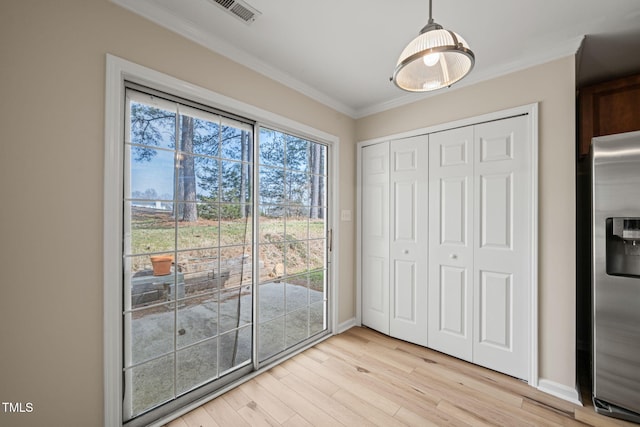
x,y
364,378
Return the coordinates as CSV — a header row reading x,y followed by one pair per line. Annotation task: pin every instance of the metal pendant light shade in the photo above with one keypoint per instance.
x,y
435,59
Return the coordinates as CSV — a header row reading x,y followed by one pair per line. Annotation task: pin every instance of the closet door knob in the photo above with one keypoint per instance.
x,y
453,256
406,251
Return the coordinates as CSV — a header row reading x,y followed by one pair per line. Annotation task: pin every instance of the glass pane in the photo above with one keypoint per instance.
x,y
236,227
271,301
200,133
318,191
198,178
297,327
151,383
272,186
271,147
297,293
197,319
297,189
150,230
235,266
235,349
297,154
295,219
297,257
201,233
188,199
317,159
151,174
235,182
198,268
236,144
152,126
317,229
235,308
316,286
196,365
271,339
208,174
271,262
297,223
317,319
151,334
317,254
271,224
151,279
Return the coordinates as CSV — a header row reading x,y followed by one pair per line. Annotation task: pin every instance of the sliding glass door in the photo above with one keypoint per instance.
x,y
292,238
225,264
188,226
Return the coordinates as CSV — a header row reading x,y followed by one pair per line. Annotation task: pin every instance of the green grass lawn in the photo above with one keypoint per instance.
x,y
154,231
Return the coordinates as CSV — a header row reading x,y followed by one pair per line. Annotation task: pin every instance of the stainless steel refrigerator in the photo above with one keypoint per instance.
x,y
615,195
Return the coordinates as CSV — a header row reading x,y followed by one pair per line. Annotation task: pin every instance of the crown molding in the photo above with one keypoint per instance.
x,y
161,16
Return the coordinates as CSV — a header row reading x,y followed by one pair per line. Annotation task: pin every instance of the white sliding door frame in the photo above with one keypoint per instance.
x,y
531,110
117,71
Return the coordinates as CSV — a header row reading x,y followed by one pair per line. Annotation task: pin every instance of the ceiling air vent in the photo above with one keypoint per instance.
x,y
239,9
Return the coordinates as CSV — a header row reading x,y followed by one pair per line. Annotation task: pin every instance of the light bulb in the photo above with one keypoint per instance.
x,y
430,85
431,59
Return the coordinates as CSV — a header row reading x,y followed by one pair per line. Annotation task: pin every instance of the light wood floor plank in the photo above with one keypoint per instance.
x,y
316,355
297,421
278,371
318,381
364,378
326,403
199,418
366,409
255,416
305,408
236,398
224,414
412,419
346,383
397,389
553,416
267,401
463,415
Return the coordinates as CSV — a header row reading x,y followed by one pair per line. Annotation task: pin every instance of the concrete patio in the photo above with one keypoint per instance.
x,y
213,336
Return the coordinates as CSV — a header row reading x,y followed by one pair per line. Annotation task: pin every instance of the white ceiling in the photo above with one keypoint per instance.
x,y
342,52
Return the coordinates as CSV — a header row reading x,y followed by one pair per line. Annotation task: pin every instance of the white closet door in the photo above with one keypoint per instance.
x,y
375,237
502,257
451,242
408,249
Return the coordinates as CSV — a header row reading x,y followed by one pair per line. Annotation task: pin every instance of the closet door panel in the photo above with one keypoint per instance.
x,y
502,222
375,237
452,305
408,248
450,242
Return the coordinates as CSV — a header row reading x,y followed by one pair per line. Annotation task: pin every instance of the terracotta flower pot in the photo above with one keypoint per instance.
x,y
161,264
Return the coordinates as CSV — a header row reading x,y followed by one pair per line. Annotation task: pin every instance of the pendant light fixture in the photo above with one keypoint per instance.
x,y
435,59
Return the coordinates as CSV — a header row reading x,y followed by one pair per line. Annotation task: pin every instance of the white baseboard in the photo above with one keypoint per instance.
x,y
560,390
342,327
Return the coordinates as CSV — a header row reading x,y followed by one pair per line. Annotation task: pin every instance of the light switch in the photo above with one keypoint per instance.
x,y
345,215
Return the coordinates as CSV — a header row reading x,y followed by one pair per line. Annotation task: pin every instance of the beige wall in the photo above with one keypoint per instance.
x,y
52,77
553,86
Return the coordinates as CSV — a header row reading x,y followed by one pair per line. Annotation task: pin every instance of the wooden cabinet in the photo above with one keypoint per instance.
x,y
608,108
